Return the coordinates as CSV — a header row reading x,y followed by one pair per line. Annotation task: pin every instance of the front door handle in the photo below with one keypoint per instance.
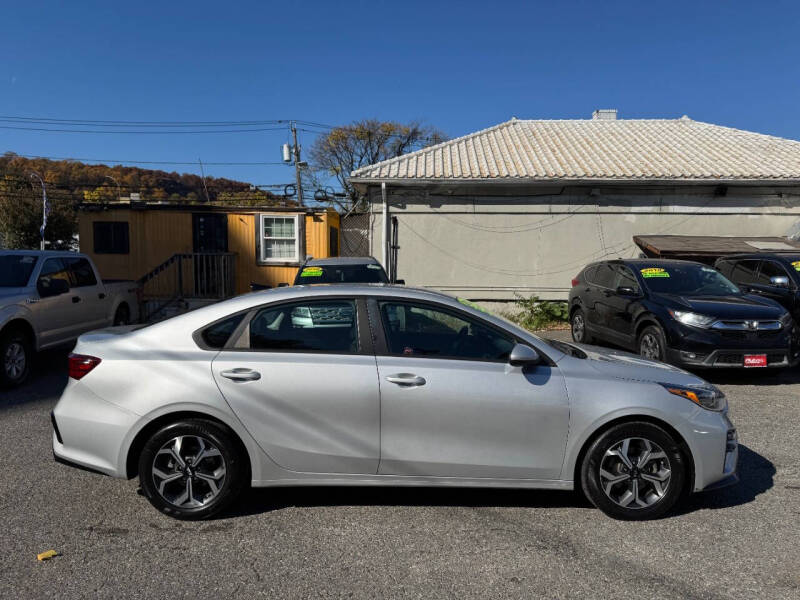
x,y
241,374
406,379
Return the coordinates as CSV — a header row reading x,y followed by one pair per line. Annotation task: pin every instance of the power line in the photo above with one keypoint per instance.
x,y
147,162
101,123
160,132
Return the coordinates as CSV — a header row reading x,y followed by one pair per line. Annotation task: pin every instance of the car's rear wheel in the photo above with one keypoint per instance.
x,y
191,469
16,356
634,471
578,326
652,343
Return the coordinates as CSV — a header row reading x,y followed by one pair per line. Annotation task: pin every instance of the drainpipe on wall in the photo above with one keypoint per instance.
x,y
385,237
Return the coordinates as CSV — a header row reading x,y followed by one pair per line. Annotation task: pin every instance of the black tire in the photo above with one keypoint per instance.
x,y
652,343
207,501
594,485
16,358
122,316
577,318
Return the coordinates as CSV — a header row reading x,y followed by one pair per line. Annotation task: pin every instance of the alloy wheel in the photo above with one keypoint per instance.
x,y
635,473
649,347
15,360
189,471
578,327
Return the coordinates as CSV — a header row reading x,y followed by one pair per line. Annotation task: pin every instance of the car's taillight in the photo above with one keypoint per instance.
x,y
80,365
575,281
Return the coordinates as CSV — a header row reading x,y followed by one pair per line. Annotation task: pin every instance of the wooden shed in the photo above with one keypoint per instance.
x,y
219,250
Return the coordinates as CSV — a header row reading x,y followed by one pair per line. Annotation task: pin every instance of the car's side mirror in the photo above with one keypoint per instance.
x,y
780,281
522,355
625,290
48,288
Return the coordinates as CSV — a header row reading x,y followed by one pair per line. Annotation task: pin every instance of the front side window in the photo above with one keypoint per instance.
x,y
625,278
82,272
422,330
770,269
53,268
280,238
318,326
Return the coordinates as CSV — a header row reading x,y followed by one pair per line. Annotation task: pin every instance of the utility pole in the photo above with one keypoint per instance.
x,y
45,207
297,166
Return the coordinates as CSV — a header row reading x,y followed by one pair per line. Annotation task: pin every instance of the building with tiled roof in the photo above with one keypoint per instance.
x,y
520,207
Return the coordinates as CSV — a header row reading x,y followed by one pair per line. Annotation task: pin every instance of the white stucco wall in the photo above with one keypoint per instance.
x,y
489,247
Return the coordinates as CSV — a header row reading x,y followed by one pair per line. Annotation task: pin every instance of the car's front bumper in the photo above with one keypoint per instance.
x,y
88,431
715,448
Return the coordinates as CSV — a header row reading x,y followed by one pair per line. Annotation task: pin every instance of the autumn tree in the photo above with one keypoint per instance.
x,y
347,148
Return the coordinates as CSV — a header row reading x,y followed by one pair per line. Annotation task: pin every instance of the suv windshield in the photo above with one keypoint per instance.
x,y
366,273
15,270
687,280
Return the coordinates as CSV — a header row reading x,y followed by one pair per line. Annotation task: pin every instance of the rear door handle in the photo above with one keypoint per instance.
x,y
240,374
406,379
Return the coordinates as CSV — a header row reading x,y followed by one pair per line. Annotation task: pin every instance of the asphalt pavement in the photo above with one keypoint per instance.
x,y
740,542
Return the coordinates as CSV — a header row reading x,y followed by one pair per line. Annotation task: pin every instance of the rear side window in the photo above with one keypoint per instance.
x,y
218,334
604,276
82,272
324,326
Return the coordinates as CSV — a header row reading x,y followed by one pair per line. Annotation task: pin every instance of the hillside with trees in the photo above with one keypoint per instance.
x,y
70,183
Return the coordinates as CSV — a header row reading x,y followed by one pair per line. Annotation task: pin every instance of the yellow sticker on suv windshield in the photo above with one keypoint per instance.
x,y
654,272
311,272
796,265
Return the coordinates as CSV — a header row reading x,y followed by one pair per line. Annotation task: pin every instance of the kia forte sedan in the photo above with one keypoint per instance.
x,y
382,385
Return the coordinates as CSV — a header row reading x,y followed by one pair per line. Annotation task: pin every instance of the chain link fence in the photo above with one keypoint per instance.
x,y
354,234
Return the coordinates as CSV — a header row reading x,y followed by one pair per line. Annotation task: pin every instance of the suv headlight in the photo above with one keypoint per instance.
x,y
693,319
707,396
786,320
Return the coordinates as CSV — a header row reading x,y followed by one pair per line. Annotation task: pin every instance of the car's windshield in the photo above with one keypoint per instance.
x,y
368,273
687,280
16,269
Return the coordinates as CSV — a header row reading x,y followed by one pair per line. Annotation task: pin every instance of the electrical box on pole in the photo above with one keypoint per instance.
x,y
286,150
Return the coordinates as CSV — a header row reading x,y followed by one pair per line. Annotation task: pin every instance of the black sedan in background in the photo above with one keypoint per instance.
x,y
680,312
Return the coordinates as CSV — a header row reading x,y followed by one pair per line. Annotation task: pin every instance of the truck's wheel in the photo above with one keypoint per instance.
x,y
16,355
122,316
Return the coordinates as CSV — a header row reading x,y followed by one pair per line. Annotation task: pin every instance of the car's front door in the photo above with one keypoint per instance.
x,y
764,284
58,318
452,406
302,379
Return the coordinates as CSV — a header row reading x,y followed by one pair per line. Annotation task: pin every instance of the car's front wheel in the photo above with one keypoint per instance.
x,y
191,469
16,356
652,343
634,471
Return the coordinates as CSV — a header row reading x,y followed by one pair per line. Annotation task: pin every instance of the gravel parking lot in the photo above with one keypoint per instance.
x,y
740,542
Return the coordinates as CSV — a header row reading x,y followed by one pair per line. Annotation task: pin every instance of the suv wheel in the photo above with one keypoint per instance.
x,y
578,327
16,354
191,469
122,316
652,344
634,471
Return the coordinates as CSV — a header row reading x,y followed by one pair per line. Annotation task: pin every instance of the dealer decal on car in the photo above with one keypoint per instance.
x,y
796,265
311,272
654,272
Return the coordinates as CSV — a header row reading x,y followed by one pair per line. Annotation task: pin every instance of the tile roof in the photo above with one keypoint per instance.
x,y
597,150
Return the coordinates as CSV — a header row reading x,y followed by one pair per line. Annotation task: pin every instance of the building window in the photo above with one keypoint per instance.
x,y
111,237
280,238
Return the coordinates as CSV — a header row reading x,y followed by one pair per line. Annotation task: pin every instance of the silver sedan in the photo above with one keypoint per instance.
x,y
382,385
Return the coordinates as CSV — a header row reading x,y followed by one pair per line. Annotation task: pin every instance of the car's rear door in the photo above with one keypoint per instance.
x,y
93,305
452,406
302,378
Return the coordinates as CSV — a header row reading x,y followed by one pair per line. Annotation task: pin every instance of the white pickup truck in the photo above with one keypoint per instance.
x,y
49,298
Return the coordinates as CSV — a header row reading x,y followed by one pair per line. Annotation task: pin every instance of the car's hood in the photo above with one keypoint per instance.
x,y
13,295
724,307
624,365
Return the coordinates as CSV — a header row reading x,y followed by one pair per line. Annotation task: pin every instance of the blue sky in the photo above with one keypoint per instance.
x,y
461,66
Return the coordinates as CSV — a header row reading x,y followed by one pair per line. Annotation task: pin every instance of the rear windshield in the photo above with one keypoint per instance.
x,y
341,274
15,270
687,280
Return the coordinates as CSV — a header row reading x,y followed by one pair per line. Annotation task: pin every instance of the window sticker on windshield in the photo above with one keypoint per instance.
x,y
654,272
311,272
376,267
796,265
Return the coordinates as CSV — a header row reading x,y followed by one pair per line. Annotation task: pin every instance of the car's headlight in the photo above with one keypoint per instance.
x,y
786,320
693,319
707,396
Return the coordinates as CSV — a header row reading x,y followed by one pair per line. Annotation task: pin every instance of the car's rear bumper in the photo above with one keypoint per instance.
x,y
88,431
